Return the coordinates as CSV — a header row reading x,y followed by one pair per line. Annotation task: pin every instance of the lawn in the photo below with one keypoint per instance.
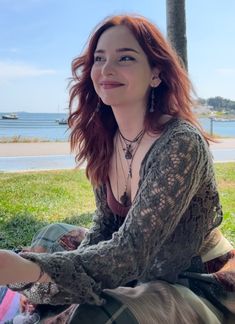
x,y
225,174
30,200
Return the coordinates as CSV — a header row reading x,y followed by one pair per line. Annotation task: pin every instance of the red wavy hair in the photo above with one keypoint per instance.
x,y
92,132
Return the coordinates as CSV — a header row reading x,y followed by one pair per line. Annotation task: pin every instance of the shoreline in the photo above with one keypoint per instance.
x,y
63,148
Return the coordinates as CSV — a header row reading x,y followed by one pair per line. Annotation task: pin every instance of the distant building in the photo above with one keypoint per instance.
x,y
202,109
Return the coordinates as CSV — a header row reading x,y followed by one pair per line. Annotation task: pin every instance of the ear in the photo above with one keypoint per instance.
x,y
155,81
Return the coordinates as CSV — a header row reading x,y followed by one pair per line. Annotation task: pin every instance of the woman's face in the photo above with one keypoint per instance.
x,y
121,73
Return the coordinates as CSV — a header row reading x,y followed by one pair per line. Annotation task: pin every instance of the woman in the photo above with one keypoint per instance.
x,y
155,237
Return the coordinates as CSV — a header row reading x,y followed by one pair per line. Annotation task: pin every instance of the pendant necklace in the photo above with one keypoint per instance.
x,y
130,144
124,199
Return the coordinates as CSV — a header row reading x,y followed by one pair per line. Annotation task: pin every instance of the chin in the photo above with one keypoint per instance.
x,y
110,102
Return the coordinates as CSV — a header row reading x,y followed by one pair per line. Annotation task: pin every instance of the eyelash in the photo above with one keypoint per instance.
x,y
123,58
130,58
97,59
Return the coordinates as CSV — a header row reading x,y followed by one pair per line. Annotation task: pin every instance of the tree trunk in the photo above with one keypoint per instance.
x,y
176,27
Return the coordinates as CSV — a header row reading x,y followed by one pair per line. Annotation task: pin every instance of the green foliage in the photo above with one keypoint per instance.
x,y
201,101
28,201
219,103
22,139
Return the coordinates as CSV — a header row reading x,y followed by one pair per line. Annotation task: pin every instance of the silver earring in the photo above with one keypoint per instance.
x,y
98,106
151,110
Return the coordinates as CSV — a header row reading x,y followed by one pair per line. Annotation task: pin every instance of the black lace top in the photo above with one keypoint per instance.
x,y
175,208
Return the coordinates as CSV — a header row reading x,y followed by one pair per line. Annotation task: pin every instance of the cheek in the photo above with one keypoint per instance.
x,y
94,75
95,78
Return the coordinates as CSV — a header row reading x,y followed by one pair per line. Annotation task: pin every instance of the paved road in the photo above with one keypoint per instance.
x,y
66,161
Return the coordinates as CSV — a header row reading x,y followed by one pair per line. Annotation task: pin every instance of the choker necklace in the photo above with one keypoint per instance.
x,y
130,145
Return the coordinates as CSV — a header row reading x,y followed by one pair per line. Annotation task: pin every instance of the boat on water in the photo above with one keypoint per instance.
x,y
10,116
62,121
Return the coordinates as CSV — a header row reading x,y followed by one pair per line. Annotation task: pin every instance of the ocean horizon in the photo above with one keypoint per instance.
x,y
45,126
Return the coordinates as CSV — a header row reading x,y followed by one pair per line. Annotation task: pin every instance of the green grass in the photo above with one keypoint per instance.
x,y
225,174
22,139
31,200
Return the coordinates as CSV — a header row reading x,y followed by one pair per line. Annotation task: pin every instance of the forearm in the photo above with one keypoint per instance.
x,y
14,269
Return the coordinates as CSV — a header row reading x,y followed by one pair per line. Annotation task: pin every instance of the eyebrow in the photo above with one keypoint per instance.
x,y
123,49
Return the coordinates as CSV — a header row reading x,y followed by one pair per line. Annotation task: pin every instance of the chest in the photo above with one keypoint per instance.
x,y
120,168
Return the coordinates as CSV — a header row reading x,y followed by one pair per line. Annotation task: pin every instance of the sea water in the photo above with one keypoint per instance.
x,y
218,127
45,126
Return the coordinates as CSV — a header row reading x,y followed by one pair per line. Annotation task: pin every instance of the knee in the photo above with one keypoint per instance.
x,y
58,237
46,237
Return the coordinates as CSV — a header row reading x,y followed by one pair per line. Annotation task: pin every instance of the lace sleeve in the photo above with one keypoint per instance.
x,y
103,222
163,196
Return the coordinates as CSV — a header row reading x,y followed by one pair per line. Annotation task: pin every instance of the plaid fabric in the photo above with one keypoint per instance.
x,y
62,237
58,237
53,238
113,312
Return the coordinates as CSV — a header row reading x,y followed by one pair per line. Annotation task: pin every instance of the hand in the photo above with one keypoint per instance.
x,y
14,268
26,306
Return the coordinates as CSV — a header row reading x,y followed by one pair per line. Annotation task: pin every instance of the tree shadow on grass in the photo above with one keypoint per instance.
x,y
84,219
17,231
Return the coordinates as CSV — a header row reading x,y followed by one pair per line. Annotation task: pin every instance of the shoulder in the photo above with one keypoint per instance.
x,y
178,131
180,126
179,136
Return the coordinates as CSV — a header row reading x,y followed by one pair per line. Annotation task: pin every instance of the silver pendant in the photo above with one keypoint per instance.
x,y
128,152
124,199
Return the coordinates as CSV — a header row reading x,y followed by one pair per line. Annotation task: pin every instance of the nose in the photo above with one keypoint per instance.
x,y
108,68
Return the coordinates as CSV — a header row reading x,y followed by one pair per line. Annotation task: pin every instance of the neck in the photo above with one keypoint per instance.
x,y
130,121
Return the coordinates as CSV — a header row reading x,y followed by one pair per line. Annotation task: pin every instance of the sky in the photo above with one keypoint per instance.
x,y
40,38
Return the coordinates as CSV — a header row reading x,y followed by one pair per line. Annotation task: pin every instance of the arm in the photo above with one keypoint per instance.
x,y
103,222
104,225
164,195
14,268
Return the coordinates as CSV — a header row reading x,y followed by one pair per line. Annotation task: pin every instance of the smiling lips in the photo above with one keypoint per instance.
x,y
110,84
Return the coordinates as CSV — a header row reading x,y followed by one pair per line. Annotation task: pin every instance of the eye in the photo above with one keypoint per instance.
x,y
98,59
127,58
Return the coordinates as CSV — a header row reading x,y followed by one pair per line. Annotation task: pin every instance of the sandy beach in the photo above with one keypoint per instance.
x,y
63,148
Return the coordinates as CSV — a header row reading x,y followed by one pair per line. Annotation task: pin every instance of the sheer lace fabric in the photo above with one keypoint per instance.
x,y
176,207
